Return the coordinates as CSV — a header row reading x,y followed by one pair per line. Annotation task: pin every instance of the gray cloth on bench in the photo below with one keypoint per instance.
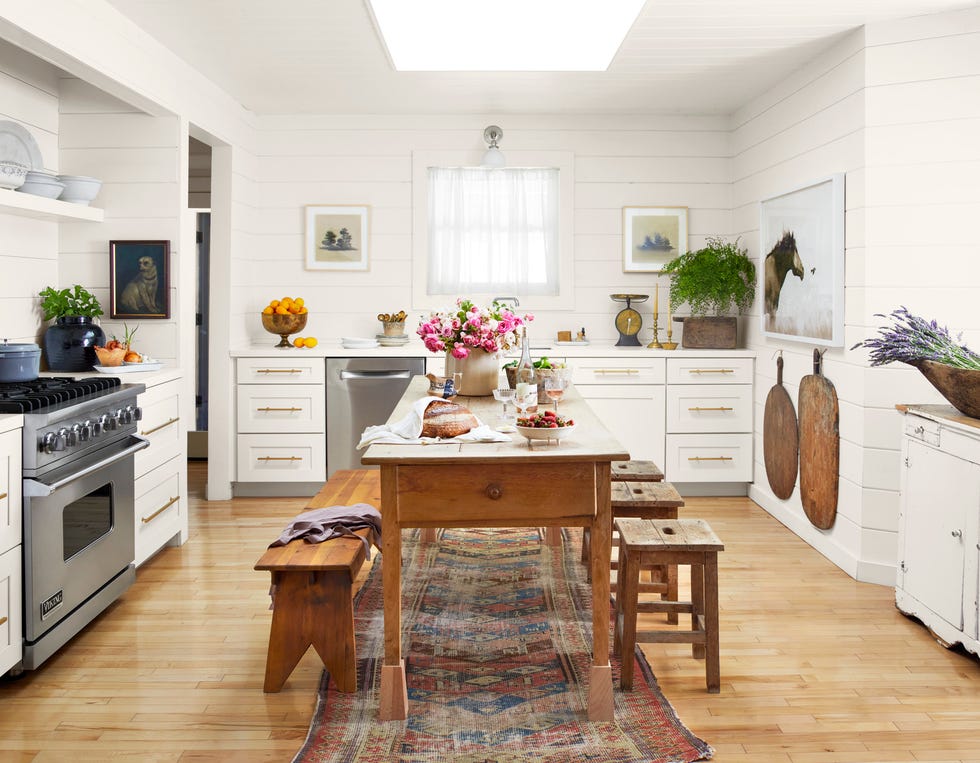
x,y
319,525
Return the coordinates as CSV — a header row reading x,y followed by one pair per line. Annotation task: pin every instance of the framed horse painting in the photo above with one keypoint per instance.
x,y
801,245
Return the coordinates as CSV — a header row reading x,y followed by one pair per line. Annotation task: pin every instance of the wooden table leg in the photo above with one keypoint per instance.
x,y
600,679
393,703
712,647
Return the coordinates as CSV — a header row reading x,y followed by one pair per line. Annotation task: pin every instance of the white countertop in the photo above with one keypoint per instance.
x,y
149,378
10,421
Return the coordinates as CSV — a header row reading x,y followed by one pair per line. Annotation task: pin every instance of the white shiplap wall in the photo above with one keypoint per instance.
x,y
624,161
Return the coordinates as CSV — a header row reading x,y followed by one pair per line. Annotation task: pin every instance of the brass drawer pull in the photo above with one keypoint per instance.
x,y
267,409
719,408
710,458
2,496
617,371
278,370
712,371
279,458
160,511
174,420
3,619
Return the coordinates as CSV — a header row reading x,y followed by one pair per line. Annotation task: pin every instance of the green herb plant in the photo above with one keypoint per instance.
x,y
714,279
74,301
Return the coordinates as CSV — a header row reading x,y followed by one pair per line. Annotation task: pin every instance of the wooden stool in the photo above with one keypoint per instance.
x,y
673,541
635,471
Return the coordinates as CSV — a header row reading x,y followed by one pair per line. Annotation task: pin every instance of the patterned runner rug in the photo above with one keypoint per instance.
x,y
498,632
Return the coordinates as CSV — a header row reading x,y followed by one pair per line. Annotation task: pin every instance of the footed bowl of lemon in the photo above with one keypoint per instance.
x,y
284,317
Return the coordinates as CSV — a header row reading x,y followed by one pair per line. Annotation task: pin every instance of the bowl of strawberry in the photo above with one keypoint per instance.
x,y
545,425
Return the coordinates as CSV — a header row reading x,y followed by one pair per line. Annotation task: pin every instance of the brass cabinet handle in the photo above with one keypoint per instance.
x,y
267,409
2,496
617,371
278,370
160,511
164,424
710,458
3,619
719,408
711,371
279,458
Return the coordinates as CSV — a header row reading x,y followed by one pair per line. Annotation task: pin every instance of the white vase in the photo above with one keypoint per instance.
x,y
480,369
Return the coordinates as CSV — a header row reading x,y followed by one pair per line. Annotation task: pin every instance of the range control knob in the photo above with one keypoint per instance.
x,y
80,432
68,437
102,424
90,429
113,419
51,442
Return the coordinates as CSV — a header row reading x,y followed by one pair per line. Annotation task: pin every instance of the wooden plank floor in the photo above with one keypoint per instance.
x,y
815,667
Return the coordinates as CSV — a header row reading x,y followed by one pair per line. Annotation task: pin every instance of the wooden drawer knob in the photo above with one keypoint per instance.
x,y
494,491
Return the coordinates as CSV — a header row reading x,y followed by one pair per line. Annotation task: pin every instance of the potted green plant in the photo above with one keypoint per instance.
x,y
714,281
69,343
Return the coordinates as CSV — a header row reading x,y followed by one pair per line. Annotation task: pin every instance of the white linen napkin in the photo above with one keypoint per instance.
x,y
408,431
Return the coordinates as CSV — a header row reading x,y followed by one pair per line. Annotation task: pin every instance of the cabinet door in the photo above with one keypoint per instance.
x,y
634,414
11,609
940,498
10,476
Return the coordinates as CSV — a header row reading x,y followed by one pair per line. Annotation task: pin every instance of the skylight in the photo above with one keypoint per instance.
x,y
503,35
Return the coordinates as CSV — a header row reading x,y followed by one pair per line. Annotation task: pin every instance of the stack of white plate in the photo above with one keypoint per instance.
x,y
42,183
393,341
358,343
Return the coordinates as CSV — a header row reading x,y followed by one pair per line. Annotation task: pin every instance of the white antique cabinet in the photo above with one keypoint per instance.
x,y
939,523
11,602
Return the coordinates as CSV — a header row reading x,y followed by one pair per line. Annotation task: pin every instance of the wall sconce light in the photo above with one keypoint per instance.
x,y
494,157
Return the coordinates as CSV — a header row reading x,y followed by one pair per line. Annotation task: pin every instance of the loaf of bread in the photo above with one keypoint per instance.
x,y
446,419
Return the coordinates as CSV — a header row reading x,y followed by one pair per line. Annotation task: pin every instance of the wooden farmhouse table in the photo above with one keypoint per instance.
x,y
505,484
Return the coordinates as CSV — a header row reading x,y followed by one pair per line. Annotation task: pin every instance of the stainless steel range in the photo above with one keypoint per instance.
x,y
79,549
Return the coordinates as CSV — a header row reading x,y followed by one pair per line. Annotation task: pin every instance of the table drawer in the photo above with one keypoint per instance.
x,y
495,494
11,609
285,408
161,426
618,371
709,370
282,458
709,458
709,408
296,369
159,505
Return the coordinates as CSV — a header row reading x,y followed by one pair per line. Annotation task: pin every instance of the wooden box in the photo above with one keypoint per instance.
x,y
710,333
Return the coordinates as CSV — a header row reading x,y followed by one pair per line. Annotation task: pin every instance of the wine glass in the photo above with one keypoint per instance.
x,y
554,388
525,396
504,395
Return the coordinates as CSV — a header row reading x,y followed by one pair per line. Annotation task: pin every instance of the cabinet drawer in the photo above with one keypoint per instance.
x,y
296,369
161,426
159,506
620,371
709,458
286,408
282,458
923,430
10,476
709,408
709,370
11,609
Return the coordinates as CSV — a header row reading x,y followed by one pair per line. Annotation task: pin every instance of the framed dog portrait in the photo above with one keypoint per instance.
x,y
139,279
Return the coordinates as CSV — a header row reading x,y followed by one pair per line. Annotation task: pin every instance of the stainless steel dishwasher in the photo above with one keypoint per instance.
x,y
362,392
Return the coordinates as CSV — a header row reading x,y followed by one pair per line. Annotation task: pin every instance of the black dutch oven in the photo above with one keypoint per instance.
x,y
19,362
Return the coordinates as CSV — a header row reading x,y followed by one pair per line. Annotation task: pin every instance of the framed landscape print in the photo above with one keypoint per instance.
x,y
652,237
801,245
336,238
139,279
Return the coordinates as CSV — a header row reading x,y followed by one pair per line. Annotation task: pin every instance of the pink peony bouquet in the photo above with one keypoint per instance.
x,y
469,327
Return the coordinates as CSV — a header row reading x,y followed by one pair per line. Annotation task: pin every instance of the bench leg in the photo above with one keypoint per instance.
x,y
628,593
697,608
312,609
713,662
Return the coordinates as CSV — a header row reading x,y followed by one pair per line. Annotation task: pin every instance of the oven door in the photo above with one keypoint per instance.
x,y
78,534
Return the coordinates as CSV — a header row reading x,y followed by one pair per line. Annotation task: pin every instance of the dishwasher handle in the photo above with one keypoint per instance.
x,y
353,375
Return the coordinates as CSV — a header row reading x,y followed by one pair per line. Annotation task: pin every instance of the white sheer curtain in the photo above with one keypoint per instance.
x,y
493,231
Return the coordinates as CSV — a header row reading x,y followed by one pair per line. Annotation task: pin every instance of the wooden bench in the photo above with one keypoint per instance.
x,y
635,471
313,590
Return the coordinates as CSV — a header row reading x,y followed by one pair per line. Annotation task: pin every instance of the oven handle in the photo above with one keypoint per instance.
x,y
36,489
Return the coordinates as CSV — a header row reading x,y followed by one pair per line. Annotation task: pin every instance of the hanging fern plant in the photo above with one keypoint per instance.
x,y
713,280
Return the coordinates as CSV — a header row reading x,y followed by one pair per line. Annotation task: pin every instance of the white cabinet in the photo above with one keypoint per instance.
x,y
281,419
161,470
709,419
939,523
11,597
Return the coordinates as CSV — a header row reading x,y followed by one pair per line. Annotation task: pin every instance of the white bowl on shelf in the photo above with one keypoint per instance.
x,y
42,184
12,174
79,189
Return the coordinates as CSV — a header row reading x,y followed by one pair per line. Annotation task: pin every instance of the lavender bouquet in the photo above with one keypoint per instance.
x,y
912,339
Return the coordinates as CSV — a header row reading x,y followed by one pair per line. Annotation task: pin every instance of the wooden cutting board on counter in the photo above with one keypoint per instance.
x,y
819,447
780,438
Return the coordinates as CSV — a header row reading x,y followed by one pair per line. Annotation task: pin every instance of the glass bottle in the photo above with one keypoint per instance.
x,y
526,388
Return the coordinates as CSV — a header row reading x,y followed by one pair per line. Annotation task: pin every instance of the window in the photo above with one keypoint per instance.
x,y
493,231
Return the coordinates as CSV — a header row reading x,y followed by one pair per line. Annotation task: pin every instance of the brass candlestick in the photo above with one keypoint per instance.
x,y
655,344
669,345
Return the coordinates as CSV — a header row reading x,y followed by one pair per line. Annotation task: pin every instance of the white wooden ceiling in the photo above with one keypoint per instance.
x,y
324,56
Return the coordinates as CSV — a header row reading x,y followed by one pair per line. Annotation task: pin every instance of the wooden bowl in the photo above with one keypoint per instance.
x,y
960,386
284,325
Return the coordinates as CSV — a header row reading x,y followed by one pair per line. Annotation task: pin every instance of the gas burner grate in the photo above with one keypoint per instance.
x,y
43,392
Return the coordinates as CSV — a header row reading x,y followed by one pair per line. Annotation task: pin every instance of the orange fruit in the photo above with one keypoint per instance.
x,y
281,310
298,301
267,311
303,311
298,341
310,341
274,304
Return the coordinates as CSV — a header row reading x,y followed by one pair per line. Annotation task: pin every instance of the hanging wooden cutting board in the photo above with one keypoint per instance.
x,y
780,438
819,447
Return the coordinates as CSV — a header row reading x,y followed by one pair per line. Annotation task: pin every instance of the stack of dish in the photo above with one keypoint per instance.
x,y
42,183
358,343
12,174
393,341
18,154
79,189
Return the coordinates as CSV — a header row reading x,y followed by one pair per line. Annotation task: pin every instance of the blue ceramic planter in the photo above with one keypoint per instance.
x,y
69,343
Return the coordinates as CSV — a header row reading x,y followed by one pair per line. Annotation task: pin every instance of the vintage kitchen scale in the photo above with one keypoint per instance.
x,y
628,320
